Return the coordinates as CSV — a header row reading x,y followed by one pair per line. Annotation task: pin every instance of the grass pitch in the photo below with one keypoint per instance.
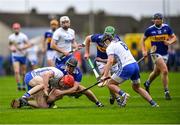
x,y
82,111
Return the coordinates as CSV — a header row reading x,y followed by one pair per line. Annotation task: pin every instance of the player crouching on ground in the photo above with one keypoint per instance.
x,y
39,99
72,69
118,52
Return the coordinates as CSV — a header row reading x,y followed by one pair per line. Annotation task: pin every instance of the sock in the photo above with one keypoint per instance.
x,y
97,103
147,83
121,93
118,99
26,95
152,102
166,90
19,85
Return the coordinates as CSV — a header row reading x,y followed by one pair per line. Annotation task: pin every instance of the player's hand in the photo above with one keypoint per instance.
x,y
167,42
103,82
66,53
13,48
80,46
86,55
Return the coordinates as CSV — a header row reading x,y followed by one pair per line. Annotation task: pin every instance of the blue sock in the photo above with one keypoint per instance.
x,y
121,93
147,83
152,102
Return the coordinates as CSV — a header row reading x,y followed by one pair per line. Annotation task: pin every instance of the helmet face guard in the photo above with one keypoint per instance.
x,y
107,38
65,22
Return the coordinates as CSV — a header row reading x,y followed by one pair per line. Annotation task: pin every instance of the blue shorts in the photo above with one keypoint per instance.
x,y
130,71
21,60
60,61
28,77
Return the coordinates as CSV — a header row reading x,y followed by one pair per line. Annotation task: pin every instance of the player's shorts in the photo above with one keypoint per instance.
x,y
28,77
51,54
130,71
60,61
21,59
156,56
100,66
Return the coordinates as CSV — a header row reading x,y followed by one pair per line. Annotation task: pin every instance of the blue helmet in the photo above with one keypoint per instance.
x,y
157,16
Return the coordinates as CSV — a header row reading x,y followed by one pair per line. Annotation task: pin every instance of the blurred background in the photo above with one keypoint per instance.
x,y
129,17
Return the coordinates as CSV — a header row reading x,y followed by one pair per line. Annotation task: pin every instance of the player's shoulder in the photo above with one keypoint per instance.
x,y
165,25
71,30
11,35
77,71
96,37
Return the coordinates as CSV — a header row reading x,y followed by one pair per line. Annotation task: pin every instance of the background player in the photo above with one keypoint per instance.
x,y
18,43
63,40
46,47
101,57
118,52
161,35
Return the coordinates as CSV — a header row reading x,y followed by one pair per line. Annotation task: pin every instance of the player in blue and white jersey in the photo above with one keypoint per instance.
x,y
46,46
63,41
18,43
161,36
118,52
71,68
101,57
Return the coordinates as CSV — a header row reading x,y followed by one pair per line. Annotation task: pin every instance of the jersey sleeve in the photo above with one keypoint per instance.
x,y
56,36
170,32
110,49
95,38
78,76
25,38
57,73
147,33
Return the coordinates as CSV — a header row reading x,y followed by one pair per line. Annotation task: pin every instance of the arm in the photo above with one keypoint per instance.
x,y
144,51
12,46
71,90
87,46
55,47
108,66
44,45
46,76
170,41
27,45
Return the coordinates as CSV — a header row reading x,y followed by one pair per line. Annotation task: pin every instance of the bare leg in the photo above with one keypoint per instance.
x,y
144,94
23,71
16,67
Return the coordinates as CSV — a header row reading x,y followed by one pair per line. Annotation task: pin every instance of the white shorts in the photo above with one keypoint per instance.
x,y
51,55
100,66
156,56
33,59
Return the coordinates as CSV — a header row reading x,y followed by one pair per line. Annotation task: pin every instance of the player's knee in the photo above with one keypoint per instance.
x,y
165,72
16,72
135,87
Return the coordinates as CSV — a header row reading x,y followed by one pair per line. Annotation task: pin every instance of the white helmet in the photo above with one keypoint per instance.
x,y
64,18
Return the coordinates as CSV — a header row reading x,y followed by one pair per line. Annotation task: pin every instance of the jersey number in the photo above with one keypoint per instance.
x,y
124,45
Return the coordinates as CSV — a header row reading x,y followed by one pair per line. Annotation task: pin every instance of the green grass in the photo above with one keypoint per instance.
x,y
77,111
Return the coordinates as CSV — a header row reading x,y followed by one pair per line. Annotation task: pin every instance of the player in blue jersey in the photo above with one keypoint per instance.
x,y
50,53
101,57
161,36
72,69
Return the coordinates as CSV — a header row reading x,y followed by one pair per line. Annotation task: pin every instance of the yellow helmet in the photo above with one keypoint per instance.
x,y
54,22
